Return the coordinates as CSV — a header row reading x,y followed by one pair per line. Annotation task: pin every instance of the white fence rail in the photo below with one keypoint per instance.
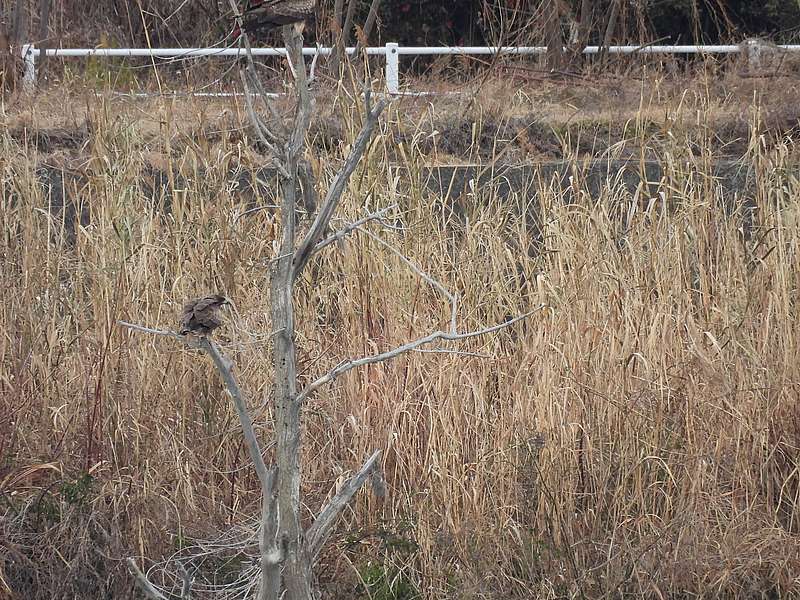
x,y
752,49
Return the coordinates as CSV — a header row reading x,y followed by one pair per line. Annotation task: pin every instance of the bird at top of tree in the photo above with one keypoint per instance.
x,y
264,15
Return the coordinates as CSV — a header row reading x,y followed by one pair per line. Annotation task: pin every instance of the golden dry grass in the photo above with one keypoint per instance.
x,y
638,436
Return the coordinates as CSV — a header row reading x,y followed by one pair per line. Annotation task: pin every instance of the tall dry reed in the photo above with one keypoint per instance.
x,y
640,435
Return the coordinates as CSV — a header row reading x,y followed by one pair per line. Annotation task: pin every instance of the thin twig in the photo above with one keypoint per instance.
x,y
453,352
321,528
244,76
349,228
453,298
348,365
256,209
164,332
262,131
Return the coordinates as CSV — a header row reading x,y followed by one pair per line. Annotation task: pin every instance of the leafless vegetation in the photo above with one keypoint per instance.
x,y
639,436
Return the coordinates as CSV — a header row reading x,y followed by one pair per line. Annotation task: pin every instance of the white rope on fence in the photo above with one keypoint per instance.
x,y
752,49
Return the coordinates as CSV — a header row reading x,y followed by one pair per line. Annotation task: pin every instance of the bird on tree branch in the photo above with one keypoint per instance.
x,y
201,315
260,16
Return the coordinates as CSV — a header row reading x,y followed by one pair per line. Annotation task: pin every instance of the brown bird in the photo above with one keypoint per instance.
x,y
201,315
264,15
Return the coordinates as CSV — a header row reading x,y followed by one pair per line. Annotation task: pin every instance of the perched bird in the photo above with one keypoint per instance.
x,y
201,315
264,15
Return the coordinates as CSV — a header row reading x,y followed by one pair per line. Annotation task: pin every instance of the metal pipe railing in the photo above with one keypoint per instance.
x,y
752,49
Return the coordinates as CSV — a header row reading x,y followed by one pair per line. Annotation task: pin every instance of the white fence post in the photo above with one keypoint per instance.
x,y
753,51
392,68
29,72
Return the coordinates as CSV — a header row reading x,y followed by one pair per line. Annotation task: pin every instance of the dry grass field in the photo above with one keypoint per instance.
x,y
637,437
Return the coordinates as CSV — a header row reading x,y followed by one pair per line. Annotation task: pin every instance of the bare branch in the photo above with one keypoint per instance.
x,y
452,297
224,367
344,35
262,131
344,231
348,365
270,558
372,16
251,69
337,41
321,528
164,332
334,194
148,589
294,51
258,122
313,68
611,23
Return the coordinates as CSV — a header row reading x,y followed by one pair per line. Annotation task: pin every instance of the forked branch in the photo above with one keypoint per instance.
x,y
250,68
348,365
334,195
453,298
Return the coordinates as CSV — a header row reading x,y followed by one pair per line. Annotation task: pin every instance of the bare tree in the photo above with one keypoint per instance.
x,y
288,551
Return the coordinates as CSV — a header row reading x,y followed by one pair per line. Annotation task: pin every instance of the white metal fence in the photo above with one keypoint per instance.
x,y
391,52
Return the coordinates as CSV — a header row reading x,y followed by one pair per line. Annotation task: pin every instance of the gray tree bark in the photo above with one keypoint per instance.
x,y
297,574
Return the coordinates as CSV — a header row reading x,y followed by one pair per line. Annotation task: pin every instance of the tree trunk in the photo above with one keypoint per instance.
x,y
297,575
297,571
554,59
